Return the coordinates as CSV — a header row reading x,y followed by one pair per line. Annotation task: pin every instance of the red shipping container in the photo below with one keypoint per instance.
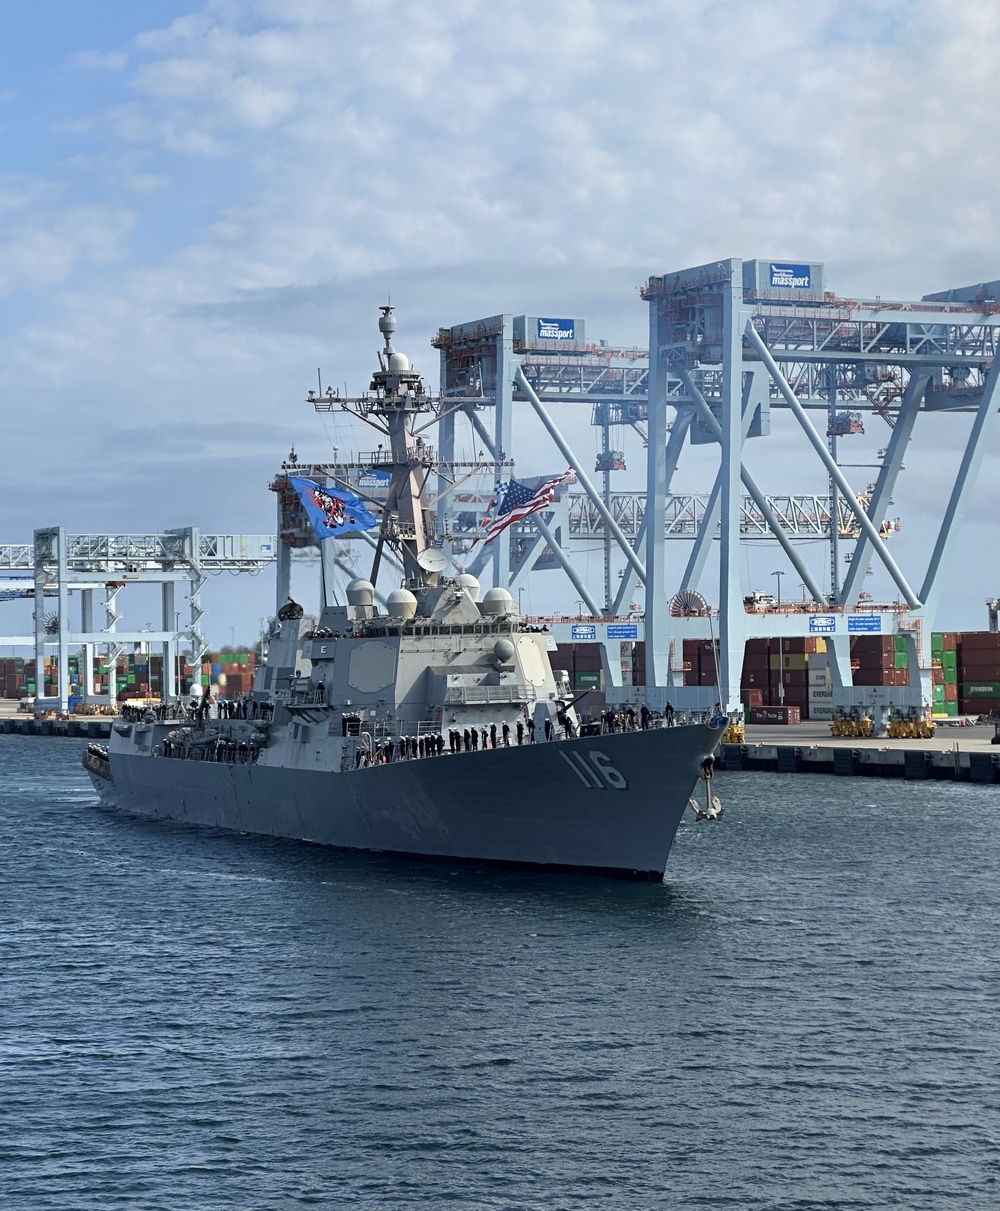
x,y
951,693
872,643
795,677
775,714
979,641
801,644
752,698
880,677
754,677
980,671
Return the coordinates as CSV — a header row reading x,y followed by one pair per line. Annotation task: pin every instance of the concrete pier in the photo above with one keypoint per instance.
x,y
957,754
17,723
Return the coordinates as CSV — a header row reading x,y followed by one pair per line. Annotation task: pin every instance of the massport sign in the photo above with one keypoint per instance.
x,y
556,330
790,277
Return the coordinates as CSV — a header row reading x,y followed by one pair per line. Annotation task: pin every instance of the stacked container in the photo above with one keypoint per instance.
x,y
820,687
978,661
944,656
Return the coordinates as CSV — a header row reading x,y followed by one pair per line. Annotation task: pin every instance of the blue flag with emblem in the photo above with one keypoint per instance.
x,y
331,511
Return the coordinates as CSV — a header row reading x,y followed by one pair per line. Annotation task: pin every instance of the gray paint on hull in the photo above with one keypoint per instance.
x,y
525,805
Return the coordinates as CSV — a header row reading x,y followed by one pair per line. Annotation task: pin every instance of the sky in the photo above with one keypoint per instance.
x,y
203,202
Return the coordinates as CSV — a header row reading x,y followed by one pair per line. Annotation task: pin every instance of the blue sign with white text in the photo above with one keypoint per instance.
x,y
584,631
864,622
822,624
556,330
623,630
790,277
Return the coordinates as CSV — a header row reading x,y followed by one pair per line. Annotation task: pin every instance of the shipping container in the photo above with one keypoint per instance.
x,y
980,641
985,671
775,714
890,676
981,689
793,660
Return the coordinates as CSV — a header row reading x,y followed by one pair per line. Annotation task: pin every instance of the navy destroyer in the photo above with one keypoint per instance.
x,y
434,726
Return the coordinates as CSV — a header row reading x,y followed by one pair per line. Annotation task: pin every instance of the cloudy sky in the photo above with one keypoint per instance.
x,y
202,202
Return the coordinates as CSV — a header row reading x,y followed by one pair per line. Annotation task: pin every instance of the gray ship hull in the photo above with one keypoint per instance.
x,y
607,803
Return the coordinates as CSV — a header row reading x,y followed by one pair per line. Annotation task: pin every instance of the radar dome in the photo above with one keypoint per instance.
x,y
401,603
399,363
497,601
503,650
361,593
470,584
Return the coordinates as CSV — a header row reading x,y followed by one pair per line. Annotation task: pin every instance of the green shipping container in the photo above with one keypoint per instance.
x,y
946,708
937,643
900,644
949,660
938,693
900,661
981,689
588,681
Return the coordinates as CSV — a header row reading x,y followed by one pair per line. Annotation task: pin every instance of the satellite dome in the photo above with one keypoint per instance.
x,y
498,602
401,603
503,650
399,363
361,593
470,584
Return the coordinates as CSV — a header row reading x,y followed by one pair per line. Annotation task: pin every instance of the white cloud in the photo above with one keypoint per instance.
x,y
97,60
472,158
41,246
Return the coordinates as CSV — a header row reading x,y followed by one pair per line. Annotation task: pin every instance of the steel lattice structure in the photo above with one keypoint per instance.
x,y
61,563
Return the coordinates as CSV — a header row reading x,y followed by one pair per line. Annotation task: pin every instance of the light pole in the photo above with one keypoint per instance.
x,y
781,652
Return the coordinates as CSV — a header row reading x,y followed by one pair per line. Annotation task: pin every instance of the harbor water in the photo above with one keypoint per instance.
x,y
802,1015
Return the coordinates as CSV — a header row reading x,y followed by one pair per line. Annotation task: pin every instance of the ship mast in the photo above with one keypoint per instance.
x,y
397,399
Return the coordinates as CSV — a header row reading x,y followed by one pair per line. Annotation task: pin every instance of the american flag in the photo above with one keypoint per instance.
x,y
518,501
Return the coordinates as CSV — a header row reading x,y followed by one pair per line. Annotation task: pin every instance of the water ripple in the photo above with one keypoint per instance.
x,y
801,1016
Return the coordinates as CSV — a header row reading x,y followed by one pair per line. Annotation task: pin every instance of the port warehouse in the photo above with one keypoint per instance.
x,y
794,672
226,674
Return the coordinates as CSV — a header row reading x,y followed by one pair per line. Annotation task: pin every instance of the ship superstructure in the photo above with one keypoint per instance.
x,y
434,726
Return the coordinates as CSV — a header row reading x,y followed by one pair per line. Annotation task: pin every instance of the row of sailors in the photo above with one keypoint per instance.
x,y
460,740
223,751
199,709
470,740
